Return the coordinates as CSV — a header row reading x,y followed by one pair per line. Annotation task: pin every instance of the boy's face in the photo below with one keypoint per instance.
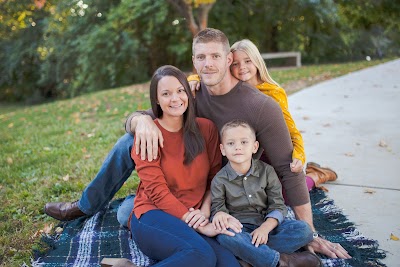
x,y
238,144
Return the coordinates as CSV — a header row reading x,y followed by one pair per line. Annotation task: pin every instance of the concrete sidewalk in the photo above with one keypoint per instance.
x,y
352,124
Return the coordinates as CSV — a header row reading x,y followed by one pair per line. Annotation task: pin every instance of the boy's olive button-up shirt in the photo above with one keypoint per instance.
x,y
250,198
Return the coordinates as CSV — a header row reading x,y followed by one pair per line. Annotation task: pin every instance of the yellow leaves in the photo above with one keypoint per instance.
x,y
197,3
10,161
393,237
369,191
66,178
10,125
47,228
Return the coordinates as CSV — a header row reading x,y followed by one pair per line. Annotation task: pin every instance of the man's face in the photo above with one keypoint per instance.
x,y
211,62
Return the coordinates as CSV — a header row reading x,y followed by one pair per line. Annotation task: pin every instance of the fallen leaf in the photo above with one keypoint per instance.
x,y
382,143
349,154
393,237
84,150
10,161
46,148
66,177
87,156
47,228
369,191
90,135
11,125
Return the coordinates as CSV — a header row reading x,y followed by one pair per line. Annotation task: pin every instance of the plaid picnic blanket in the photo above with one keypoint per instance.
x,y
86,241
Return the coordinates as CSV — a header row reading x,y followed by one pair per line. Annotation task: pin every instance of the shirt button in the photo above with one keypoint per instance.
x,y
245,178
249,195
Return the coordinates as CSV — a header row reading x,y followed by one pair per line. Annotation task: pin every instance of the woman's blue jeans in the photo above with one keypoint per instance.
x,y
115,170
287,237
172,242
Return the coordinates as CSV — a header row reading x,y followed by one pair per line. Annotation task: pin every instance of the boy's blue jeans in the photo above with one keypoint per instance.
x,y
168,239
115,170
287,237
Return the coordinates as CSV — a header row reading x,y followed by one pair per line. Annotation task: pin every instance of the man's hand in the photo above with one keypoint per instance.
x,y
296,165
147,137
323,246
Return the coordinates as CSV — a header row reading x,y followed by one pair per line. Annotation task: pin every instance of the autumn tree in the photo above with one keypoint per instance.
x,y
195,13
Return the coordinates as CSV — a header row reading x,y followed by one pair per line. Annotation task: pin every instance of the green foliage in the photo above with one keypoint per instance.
x,y
68,48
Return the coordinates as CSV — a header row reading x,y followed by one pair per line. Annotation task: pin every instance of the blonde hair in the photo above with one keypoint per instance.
x,y
252,51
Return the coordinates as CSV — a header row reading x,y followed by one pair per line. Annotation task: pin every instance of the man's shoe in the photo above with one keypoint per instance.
x,y
63,211
324,174
117,262
299,259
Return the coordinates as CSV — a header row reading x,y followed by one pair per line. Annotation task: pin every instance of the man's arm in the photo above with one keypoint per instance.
x,y
147,134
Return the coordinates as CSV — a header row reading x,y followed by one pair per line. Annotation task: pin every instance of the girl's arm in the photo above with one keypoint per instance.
x,y
279,95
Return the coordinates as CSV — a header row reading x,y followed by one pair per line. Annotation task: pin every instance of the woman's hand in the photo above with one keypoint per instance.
x,y
296,165
323,246
195,218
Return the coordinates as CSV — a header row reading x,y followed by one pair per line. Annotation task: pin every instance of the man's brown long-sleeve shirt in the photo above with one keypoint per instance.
x,y
246,103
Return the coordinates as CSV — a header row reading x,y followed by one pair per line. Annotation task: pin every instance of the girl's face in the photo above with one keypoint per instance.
x,y
172,97
244,69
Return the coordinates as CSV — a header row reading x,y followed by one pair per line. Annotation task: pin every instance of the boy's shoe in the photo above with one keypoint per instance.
x,y
63,211
324,174
299,259
117,262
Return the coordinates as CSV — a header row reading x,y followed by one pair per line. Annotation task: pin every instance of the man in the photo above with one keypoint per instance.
x,y
221,98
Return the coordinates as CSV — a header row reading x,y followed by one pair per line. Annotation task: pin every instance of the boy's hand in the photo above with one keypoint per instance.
x,y
209,230
222,221
260,236
296,165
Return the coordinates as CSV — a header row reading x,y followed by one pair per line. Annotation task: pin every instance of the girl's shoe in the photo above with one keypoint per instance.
x,y
324,174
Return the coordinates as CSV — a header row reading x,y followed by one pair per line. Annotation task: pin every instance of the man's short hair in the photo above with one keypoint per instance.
x,y
209,35
234,124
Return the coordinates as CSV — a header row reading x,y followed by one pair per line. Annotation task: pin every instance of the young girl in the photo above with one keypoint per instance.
x,y
249,66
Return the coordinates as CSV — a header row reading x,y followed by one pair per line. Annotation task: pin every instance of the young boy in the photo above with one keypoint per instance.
x,y
250,191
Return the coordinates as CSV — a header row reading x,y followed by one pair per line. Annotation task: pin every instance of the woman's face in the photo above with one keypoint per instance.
x,y
243,68
172,97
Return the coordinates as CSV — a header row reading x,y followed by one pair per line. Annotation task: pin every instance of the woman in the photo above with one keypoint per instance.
x,y
169,221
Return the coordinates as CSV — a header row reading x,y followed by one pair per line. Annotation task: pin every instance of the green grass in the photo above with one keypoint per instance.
x,y
50,152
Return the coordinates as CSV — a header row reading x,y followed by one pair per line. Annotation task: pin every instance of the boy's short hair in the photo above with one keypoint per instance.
x,y
234,124
209,35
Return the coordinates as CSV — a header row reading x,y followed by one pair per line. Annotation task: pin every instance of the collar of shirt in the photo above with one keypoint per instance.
x,y
232,174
